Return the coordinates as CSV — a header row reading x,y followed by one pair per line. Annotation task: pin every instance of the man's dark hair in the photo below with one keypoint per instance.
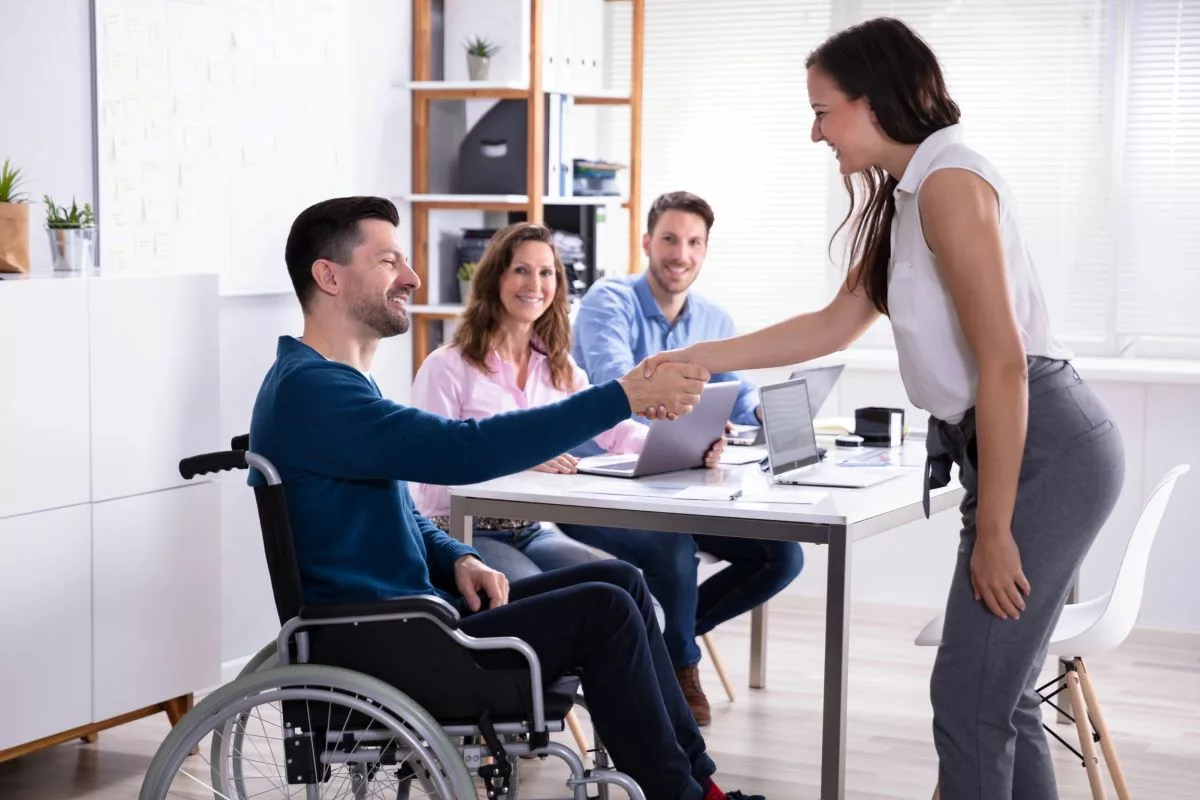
x,y
329,230
680,201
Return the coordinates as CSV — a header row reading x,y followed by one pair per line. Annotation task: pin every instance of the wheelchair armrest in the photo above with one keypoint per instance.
x,y
395,607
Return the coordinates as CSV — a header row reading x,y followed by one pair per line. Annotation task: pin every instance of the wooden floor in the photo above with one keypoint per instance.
x,y
768,741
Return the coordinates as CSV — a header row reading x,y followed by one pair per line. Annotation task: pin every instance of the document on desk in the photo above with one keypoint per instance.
x,y
707,493
783,494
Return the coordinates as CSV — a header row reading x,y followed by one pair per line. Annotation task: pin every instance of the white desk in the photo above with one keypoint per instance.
x,y
841,517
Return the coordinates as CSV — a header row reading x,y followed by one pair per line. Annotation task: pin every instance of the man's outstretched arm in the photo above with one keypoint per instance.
x,y
343,428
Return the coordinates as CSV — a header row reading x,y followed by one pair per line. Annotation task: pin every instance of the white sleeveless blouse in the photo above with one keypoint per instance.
x,y
940,373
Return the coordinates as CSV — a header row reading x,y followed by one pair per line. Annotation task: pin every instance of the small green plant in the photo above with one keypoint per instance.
x,y
466,271
10,179
76,217
479,46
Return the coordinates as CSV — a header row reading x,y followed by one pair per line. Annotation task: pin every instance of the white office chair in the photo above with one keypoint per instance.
x,y
1094,627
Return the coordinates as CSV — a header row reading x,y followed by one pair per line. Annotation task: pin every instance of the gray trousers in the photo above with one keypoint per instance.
x,y
987,721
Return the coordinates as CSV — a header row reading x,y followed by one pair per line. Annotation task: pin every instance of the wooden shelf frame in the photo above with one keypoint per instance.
x,y
425,91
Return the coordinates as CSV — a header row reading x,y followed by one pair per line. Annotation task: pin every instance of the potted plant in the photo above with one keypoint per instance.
x,y
479,53
14,221
466,272
72,235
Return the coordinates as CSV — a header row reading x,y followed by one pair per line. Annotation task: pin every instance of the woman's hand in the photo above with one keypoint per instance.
x,y
564,464
996,574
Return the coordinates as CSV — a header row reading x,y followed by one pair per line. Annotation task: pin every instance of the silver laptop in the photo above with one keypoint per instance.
x,y
821,381
792,443
673,444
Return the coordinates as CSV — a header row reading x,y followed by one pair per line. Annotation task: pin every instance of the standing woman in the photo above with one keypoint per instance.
x,y
939,249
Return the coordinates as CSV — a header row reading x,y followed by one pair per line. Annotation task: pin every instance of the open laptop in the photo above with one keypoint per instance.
x,y
820,385
673,444
792,443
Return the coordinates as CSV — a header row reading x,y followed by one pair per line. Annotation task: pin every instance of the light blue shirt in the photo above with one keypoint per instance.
x,y
619,323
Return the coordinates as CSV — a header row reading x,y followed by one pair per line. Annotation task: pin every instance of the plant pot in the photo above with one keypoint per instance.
x,y
73,249
14,237
477,67
464,291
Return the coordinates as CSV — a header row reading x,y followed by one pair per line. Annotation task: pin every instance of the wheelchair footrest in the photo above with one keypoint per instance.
x,y
496,776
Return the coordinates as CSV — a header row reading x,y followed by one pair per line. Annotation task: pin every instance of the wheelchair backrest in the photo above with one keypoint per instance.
x,y
272,518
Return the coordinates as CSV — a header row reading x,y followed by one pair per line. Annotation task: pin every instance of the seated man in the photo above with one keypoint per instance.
x,y
345,454
620,322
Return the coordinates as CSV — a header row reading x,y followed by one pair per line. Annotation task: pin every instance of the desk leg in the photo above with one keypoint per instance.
x,y
837,634
758,647
462,524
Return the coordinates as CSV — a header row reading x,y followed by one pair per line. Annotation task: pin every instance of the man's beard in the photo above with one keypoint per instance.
x,y
667,282
379,318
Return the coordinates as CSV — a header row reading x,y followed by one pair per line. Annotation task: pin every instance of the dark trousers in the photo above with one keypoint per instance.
x,y
597,618
987,720
757,571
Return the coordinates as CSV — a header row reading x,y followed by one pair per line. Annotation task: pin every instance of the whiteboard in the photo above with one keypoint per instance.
x,y
218,121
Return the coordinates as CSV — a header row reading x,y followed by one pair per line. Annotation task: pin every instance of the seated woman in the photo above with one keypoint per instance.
x,y
511,351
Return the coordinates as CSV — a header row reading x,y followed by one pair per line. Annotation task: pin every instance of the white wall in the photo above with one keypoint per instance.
x,y
250,326
46,106
912,565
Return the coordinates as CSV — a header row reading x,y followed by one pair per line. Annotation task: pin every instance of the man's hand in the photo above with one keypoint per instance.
x,y
712,459
473,577
564,464
672,390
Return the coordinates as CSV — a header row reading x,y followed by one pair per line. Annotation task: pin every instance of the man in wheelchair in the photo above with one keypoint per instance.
x,y
345,454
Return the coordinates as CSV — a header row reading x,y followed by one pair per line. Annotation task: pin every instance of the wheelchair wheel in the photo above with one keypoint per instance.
x,y
226,770
227,777
309,731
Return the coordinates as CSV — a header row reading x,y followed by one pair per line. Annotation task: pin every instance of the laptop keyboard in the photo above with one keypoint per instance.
x,y
622,465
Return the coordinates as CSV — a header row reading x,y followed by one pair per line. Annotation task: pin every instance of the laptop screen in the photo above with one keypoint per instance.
x,y
788,426
821,381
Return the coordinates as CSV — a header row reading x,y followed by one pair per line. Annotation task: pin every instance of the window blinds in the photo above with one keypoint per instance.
x,y
1089,108
726,116
1159,271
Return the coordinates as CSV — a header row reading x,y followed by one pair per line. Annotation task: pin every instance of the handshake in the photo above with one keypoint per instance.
x,y
662,388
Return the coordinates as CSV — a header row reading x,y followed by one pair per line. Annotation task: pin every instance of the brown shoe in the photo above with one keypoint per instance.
x,y
689,682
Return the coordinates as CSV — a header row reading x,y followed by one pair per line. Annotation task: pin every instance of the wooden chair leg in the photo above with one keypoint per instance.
x,y
711,647
1086,745
1107,745
577,732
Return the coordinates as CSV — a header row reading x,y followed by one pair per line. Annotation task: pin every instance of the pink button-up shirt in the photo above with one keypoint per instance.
x,y
447,385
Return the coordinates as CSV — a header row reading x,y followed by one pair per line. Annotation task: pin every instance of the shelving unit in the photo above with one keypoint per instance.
x,y
425,90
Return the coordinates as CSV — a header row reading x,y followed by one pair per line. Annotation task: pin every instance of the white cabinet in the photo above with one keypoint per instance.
x,y
109,560
43,395
155,374
156,596
45,624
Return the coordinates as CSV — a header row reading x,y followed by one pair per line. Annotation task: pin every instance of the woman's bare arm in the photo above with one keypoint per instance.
x,y
795,340
960,217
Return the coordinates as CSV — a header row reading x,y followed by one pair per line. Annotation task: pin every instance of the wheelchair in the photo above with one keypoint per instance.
x,y
325,711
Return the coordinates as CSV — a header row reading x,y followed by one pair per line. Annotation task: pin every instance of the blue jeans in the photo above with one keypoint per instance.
x,y
530,551
757,571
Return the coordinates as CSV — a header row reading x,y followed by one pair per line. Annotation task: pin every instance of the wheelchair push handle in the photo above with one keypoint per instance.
x,y
212,462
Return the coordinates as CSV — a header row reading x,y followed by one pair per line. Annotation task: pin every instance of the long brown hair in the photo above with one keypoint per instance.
x,y
885,61
480,323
